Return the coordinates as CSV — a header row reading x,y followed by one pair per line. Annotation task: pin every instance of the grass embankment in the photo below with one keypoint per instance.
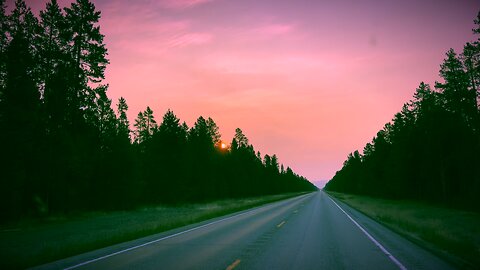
x,y
442,230
34,242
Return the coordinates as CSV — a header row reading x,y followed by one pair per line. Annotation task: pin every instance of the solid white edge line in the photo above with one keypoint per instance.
x,y
161,239
382,248
154,241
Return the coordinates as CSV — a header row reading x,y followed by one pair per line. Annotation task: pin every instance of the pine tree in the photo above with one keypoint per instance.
x,y
54,70
3,46
424,98
52,39
145,125
185,128
21,135
267,161
23,22
20,92
105,116
200,134
140,128
240,138
455,88
471,60
274,163
214,131
233,145
150,123
87,47
123,127
171,132
87,53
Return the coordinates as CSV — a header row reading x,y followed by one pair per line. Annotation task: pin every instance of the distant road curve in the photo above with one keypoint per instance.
x,y
312,231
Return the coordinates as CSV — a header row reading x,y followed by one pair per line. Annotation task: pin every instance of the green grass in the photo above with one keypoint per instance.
x,y
33,242
443,230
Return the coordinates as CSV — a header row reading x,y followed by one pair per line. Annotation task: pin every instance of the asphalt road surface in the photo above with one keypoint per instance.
x,y
312,231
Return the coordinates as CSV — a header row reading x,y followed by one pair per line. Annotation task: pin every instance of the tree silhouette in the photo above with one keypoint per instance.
x,y
240,139
201,135
3,46
457,97
64,148
141,127
87,47
150,123
87,53
123,123
19,121
429,151
52,40
213,130
471,59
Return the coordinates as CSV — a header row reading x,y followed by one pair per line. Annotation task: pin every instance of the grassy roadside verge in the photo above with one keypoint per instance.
x,y
445,231
33,243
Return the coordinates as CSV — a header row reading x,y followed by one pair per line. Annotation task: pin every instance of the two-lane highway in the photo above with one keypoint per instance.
x,y
312,231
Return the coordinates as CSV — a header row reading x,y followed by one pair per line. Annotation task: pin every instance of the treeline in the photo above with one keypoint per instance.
x,y
431,149
63,147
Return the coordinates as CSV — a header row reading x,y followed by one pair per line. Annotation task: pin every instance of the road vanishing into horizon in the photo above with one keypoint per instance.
x,y
312,231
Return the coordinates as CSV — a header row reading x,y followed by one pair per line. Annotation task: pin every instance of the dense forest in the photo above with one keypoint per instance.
x,y
430,151
64,148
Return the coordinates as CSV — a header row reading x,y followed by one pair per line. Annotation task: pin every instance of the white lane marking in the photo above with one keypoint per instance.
x,y
382,248
234,264
163,238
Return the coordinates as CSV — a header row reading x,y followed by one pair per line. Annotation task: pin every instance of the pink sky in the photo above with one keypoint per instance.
x,y
310,81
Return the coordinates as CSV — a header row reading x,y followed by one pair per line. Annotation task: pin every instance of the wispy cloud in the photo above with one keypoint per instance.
x,y
286,64
275,29
182,4
145,33
191,38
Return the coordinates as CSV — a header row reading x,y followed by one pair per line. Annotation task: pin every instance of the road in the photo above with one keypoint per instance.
x,y
312,231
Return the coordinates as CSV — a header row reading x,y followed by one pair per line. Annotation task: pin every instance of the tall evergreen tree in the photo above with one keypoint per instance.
x,y
88,53
200,135
240,138
455,88
54,69
20,92
140,128
213,130
472,60
123,124
21,129
87,47
3,46
274,163
150,123
105,116
267,160
23,22
170,130
53,45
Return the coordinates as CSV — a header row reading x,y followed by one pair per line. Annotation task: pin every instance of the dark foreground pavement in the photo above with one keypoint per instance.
x,y
307,232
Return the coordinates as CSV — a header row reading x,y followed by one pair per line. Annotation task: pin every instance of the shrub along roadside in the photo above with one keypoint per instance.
x,y
450,233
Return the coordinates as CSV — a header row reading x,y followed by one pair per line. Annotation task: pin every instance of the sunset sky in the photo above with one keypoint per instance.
x,y
309,81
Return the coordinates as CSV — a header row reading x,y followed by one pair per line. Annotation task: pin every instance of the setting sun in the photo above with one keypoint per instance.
x,y
223,146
